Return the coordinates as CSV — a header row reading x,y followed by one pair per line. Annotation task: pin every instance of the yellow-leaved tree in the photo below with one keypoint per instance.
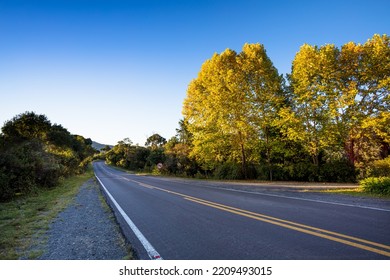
x,y
365,99
313,80
231,105
340,100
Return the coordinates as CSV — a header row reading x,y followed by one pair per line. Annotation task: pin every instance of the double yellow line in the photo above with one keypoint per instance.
x,y
326,234
334,236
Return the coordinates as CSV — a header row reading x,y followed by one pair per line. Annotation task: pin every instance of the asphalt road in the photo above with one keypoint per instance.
x,y
189,219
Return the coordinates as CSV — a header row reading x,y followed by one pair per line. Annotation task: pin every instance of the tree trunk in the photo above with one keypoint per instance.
x,y
243,157
268,152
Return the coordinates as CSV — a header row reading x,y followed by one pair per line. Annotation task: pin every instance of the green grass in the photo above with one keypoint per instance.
x,y
356,192
24,220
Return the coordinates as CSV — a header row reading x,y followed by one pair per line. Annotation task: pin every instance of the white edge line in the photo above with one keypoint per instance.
x,y
296,198
305,199
153,254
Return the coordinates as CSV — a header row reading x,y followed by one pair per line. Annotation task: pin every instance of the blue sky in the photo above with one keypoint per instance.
x,y
114,69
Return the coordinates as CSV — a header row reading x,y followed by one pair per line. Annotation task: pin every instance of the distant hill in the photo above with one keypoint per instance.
x,y
99,146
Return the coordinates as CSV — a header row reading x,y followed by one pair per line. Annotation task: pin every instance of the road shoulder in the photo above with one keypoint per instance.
x,y
85,230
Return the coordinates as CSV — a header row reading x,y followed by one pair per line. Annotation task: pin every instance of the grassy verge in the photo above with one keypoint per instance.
x,y
23,220
356,192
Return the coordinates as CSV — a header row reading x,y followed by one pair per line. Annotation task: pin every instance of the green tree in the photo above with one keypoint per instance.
x,y
178,160
26,126
120,154
155,141
182,133
35,154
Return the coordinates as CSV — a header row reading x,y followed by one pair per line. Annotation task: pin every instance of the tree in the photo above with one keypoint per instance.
x,y
209,109
106,148
263,88
312,80
26,126
364,92
155,141
340,100
230,104
35,154
121,153
182,133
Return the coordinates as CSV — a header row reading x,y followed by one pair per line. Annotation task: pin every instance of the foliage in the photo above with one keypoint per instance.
x,y
178,161
35,154
330,123
233,171
230,106
380,168
379,185
339,171
312,87
155,141
340,100
26,126
229,171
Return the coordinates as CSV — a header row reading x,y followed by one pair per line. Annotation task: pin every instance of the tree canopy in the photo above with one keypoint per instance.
x,y
35,154
231,104
327,120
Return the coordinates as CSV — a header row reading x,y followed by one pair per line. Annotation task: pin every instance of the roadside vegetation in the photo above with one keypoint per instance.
x,y
326,121
42,167
24,220
35,154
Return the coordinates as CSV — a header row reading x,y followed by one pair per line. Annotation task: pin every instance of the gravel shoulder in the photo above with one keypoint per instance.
x,y
86,230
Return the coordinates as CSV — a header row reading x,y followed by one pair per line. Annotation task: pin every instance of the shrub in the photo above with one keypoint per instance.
x,y
5,191
304,171
233,171
229,171
278,173
379,185
340,171
380,168
47,172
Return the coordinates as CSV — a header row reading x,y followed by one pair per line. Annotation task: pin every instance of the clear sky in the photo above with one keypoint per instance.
x,y
114,69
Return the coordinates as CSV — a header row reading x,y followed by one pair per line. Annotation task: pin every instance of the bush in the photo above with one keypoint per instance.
x,y
340,171
304,171
229,171
5,191
279,172
380,168
18,166
233,171
379,185
47,172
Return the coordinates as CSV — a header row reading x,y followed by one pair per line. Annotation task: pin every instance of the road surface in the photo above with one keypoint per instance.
x,y
188,219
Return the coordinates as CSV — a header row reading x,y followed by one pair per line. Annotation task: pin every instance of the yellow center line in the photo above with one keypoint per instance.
x,y
297,224
285,225
326,234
